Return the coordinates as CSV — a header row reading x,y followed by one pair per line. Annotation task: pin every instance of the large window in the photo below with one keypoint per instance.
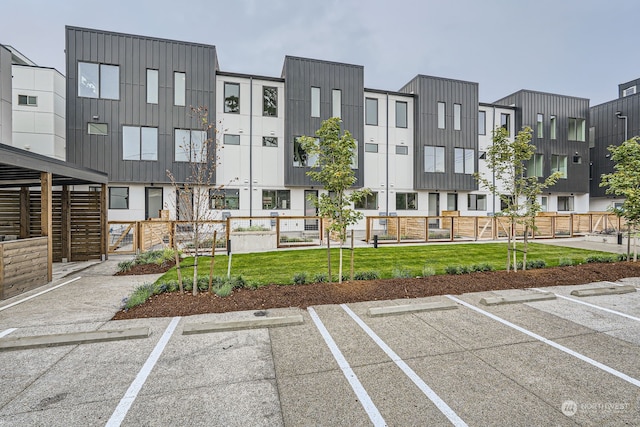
x,y
276,199
552,127
224,199
139,143
336,103
29,100
457,116
565,203
441,119
464,160
315,102
152,86
401,114
190,146
482,122
371,111
534,165
433,158
477,202
118,197
370,202
98,80
231,97
270,101
179,89
406,201
505,122
559,164
300,156
576,129
269,141
540,126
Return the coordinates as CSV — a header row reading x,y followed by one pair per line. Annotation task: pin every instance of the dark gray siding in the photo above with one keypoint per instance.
x,y
429,91
528,105
623,86
609,130
5,96
134,55
300,75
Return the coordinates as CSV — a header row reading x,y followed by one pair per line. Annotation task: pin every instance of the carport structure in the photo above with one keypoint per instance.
x,y
43,221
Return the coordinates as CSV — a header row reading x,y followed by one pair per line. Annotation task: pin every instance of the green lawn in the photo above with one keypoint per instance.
x,y
280,266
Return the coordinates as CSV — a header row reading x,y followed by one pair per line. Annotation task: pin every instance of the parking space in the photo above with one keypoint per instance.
x,y
565,361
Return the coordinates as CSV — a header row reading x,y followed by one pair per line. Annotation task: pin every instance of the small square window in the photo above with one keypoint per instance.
x,y
269,141
97,129
371,148
118,197
31,101
402,150
231,139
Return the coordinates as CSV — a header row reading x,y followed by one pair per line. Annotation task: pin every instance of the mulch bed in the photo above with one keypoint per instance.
x,y
303,296
147,269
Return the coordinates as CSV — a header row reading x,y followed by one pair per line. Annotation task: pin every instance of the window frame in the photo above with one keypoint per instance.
x,y
371,145
231,139
229,109
126,198
179,88
336,103
141,143
442,116
367,203
439,158
474,202
482,122
538,165
265,138
269,111
315,101
101,84
505,122
400,149
467,166
539,125
402,117
457,116
579,129
553,127
153,86
559,167
371,105
100,133
222,194
407,205
569,202
190,156
279,197
27,99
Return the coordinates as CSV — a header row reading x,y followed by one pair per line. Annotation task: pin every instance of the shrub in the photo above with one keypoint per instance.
x,y
366,275
428,270
320,277
300,278
532,264
483,266
457,269
253,284
224,290
124,266
599,258
139,296
623,257
239,282
252,228
565,262
400,273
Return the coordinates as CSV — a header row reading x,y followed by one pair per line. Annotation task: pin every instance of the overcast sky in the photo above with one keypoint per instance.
x,y
581,48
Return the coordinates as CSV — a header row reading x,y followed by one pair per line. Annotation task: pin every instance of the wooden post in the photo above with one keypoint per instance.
x,y
25,210
104,223
46,229
66,224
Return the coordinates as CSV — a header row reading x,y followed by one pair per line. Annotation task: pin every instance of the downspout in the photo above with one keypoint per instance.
x,y
251,146
387,158
493,172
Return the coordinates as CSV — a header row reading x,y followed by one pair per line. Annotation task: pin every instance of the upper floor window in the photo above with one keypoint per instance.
x,y
179,89
629,91
98,80
401,114
559,164
441,119
552,127
457,116
540,126
464,160
97,128
482,122
300,156
139,143
315,102
231,139
152,86
505,122
534,165
370,148
269,101
433,158
576,129
190,146
231,97
269,141
118,197
371,111
402,150
336,103
29,100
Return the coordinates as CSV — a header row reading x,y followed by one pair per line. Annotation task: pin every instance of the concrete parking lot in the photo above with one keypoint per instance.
x,y
566,361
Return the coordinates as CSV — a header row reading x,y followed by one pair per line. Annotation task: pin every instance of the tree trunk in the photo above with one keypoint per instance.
x,y
352,254
340,265
196,242
178,271
524,247
213,256
329,254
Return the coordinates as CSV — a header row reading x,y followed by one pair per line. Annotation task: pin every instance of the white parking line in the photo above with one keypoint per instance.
x,y
356,385
38,294
127,400
617,313
7,332
440,404
553,344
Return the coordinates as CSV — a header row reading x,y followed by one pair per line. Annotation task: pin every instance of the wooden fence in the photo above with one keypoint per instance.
x,y
23,265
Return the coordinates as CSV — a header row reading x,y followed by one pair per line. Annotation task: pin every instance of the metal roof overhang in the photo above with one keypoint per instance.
x,y
20,168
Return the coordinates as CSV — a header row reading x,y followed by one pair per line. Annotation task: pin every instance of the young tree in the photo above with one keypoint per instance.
x,y
507,159
334,151
625,182
199,150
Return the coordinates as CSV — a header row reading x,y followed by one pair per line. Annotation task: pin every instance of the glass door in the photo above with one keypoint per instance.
x,y
310,210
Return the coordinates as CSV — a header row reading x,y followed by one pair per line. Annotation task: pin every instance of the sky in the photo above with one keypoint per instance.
x,y
582,48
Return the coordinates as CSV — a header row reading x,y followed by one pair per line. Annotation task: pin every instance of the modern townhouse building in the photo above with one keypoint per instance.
x,y
559,125
611,123
33,105
128,105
